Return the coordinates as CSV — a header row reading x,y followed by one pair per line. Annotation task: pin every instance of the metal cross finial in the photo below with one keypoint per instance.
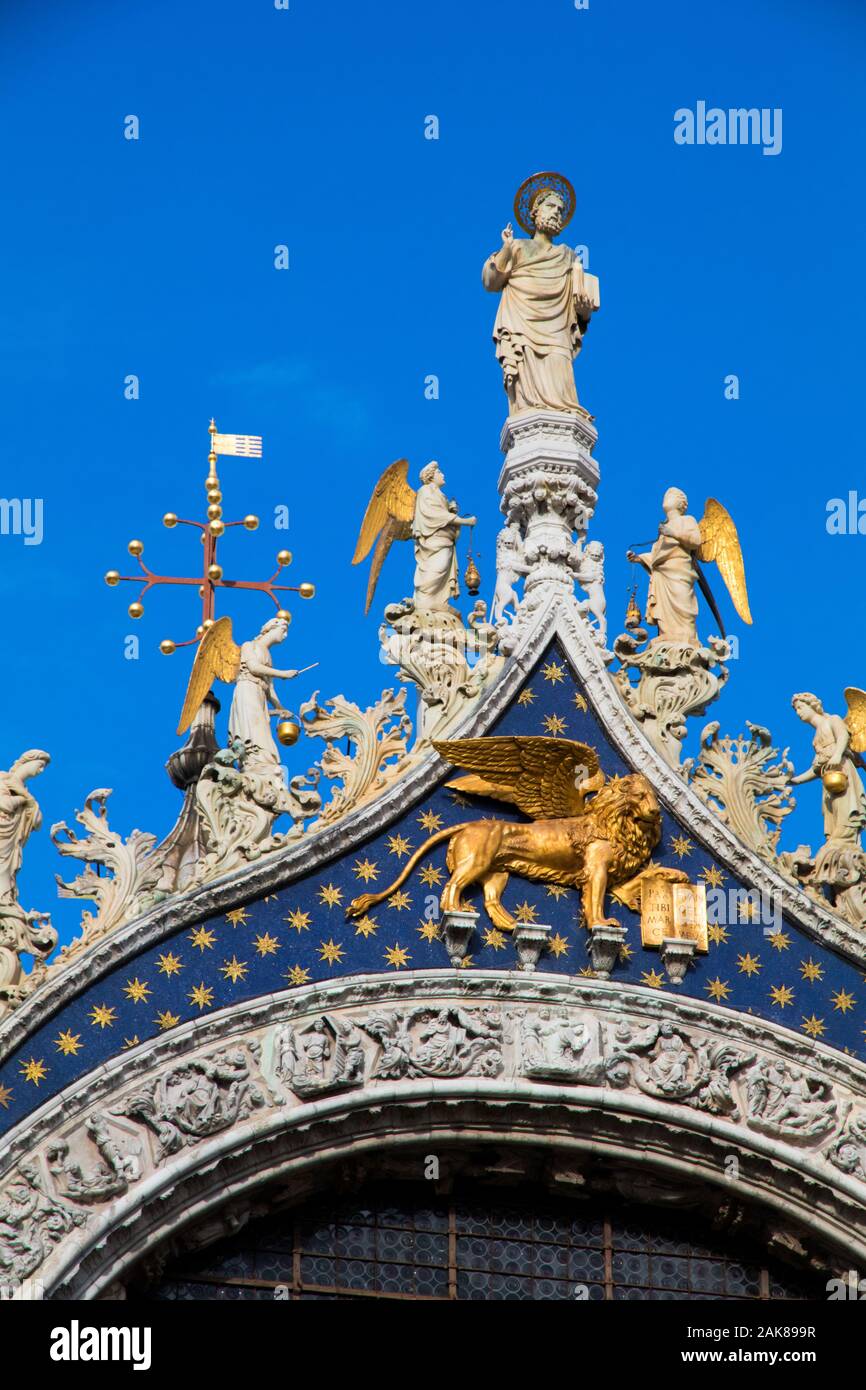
x,y
211,577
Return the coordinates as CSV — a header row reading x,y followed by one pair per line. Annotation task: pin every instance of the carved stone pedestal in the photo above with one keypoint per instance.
x,y
457,929
604,946
677,955
675,680
530,939
548,487
431,648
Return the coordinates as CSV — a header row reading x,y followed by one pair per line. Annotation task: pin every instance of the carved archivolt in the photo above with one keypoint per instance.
x,y
92,1163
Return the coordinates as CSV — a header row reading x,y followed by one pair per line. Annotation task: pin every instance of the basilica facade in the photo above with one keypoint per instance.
x,y
486,991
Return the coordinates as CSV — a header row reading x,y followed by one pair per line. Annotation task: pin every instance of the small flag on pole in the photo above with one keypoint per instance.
x,y
241,445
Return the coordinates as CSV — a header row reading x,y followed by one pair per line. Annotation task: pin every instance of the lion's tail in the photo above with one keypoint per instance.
x,y
368,900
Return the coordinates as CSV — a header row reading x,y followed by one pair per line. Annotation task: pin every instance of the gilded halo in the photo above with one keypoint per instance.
x,y
537,183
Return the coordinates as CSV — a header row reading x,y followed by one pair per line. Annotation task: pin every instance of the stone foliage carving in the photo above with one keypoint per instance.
x,y
548,489
379,736
431,647
132,870
747,783
32,1225
436,1042
196,1099
239,804
848,1151
675,681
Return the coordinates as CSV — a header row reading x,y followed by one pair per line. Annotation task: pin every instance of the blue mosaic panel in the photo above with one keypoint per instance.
x,y
301,934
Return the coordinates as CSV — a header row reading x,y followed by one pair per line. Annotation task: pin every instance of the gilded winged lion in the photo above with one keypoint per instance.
x,y
591,844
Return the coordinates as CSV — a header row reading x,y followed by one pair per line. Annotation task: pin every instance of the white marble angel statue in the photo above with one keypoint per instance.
x,y
672,565
21,932
19,817
547,300
396,512
249,668
589,573
837,743
510,566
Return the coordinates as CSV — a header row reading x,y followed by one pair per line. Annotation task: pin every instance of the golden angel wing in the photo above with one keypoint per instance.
x,y
218,658
856,717
388,518
545,777
721,543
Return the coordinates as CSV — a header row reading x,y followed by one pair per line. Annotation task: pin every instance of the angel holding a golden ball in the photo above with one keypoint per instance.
x,y
838,743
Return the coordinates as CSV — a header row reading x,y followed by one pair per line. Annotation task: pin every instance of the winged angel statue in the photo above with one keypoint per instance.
x,y
838,744
248,667
674,568
396,512
585,832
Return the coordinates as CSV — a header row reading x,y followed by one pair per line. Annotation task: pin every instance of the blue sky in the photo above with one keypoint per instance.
x,y
306,127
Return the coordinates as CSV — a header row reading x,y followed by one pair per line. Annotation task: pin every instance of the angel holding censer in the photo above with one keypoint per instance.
x,y
672,565
396,512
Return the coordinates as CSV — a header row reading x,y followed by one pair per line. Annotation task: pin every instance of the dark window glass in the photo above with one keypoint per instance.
x,y
478,1247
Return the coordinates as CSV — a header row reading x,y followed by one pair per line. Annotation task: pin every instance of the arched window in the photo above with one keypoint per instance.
x,y
482,1245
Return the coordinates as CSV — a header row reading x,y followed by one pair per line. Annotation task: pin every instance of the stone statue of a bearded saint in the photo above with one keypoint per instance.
x,y
547,300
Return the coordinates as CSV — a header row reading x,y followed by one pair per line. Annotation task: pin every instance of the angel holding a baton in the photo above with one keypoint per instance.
x,y
249,667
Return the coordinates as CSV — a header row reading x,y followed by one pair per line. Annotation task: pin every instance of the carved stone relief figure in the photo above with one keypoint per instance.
x,y
117,1166
663,1062
783,1100
196,1099
327,1054
555,1046
448,1041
